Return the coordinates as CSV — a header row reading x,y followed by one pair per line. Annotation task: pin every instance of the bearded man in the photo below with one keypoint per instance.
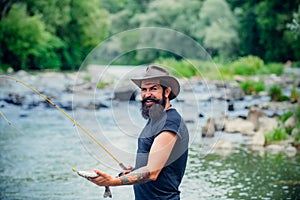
x,y
162,145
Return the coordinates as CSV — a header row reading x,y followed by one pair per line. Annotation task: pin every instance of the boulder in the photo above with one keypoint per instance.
x,y
239,125
258,139
209,129
220,122
237,93
267,124
275,148
254,115
290,151
125,95
14,98
290,122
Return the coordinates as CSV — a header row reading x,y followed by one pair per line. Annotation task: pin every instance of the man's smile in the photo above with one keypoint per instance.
x,y
149,102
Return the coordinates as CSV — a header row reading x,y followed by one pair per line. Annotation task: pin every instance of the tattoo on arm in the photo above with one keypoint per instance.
x,y
135,177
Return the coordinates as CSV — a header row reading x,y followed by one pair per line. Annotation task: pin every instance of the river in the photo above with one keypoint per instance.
x,y
40,146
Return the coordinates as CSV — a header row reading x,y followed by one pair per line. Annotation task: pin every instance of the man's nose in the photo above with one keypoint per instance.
x,y
148,94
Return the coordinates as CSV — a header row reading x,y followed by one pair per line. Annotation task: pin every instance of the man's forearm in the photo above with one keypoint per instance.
x,y
139,176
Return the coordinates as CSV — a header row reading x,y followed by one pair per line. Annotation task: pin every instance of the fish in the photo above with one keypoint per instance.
x,y
92,174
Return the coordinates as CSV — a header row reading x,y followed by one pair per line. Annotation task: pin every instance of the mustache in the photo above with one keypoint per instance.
x,y
150,99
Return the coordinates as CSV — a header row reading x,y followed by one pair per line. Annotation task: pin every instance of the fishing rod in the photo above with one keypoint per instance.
x,y
67,115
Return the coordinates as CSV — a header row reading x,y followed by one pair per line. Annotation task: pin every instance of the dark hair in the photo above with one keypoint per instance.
x,y
164,88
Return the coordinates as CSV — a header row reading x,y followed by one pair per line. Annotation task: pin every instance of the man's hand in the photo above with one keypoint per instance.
x,y
104,179
125,171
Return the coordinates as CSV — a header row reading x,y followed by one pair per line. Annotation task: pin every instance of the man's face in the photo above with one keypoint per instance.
x,y
152,93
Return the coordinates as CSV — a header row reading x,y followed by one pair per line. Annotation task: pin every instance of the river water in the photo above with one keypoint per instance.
x,y
40,146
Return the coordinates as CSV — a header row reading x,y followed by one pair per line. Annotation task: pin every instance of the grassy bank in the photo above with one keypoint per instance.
x,y
214,69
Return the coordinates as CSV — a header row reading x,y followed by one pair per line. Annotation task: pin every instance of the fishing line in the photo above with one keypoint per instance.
x,y
4,117
10,123
64,113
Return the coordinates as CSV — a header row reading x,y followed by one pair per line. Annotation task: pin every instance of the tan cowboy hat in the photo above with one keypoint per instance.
x,y
158,73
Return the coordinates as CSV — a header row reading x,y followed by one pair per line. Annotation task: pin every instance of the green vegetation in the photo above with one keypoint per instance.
x,y
102,84
297,138
285,116
249,65
272,68
282,132
277,134
246,66
180,68
275,92
295,95
39,35
252,87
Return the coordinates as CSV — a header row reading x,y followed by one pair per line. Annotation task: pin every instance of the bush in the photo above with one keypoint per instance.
x,y
102,84
275,92
180,68
272,68
247,65
285,116
277,134
252,87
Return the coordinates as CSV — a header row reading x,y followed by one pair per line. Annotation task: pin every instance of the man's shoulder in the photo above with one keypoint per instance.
x,y
173,114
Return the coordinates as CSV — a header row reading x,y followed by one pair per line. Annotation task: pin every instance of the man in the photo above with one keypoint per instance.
x,y
162,145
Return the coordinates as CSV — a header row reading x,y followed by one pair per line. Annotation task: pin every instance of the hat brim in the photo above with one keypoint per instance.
x,y
167,81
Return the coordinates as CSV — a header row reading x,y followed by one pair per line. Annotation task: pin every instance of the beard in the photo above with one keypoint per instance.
x,y
154,111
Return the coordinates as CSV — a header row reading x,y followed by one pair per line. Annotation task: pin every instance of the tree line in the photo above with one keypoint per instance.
x,y
58,34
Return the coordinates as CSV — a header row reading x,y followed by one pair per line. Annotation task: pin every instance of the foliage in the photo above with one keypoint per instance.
x,y
50,34
276,94
285,116
25,40
220,28
277,134
179,68
211,23
282,132
297,113
249,65
102,84
272,68
295,95
297,139
294,25
59,34
252,87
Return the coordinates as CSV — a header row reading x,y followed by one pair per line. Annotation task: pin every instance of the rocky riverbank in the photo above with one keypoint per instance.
x,y
234,113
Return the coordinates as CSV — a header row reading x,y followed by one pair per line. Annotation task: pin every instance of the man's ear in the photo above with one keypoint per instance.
x,y
168,92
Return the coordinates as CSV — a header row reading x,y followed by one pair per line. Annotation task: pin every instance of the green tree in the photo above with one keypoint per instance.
x,y
50,34
220,36
88,26
23,38
294,38
248,29
179,15
272,19
55,13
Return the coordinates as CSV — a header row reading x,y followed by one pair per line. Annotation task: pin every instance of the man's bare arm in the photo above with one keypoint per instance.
x,y
159,154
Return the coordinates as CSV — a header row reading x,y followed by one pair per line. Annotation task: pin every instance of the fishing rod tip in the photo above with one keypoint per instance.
x,y
73,169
